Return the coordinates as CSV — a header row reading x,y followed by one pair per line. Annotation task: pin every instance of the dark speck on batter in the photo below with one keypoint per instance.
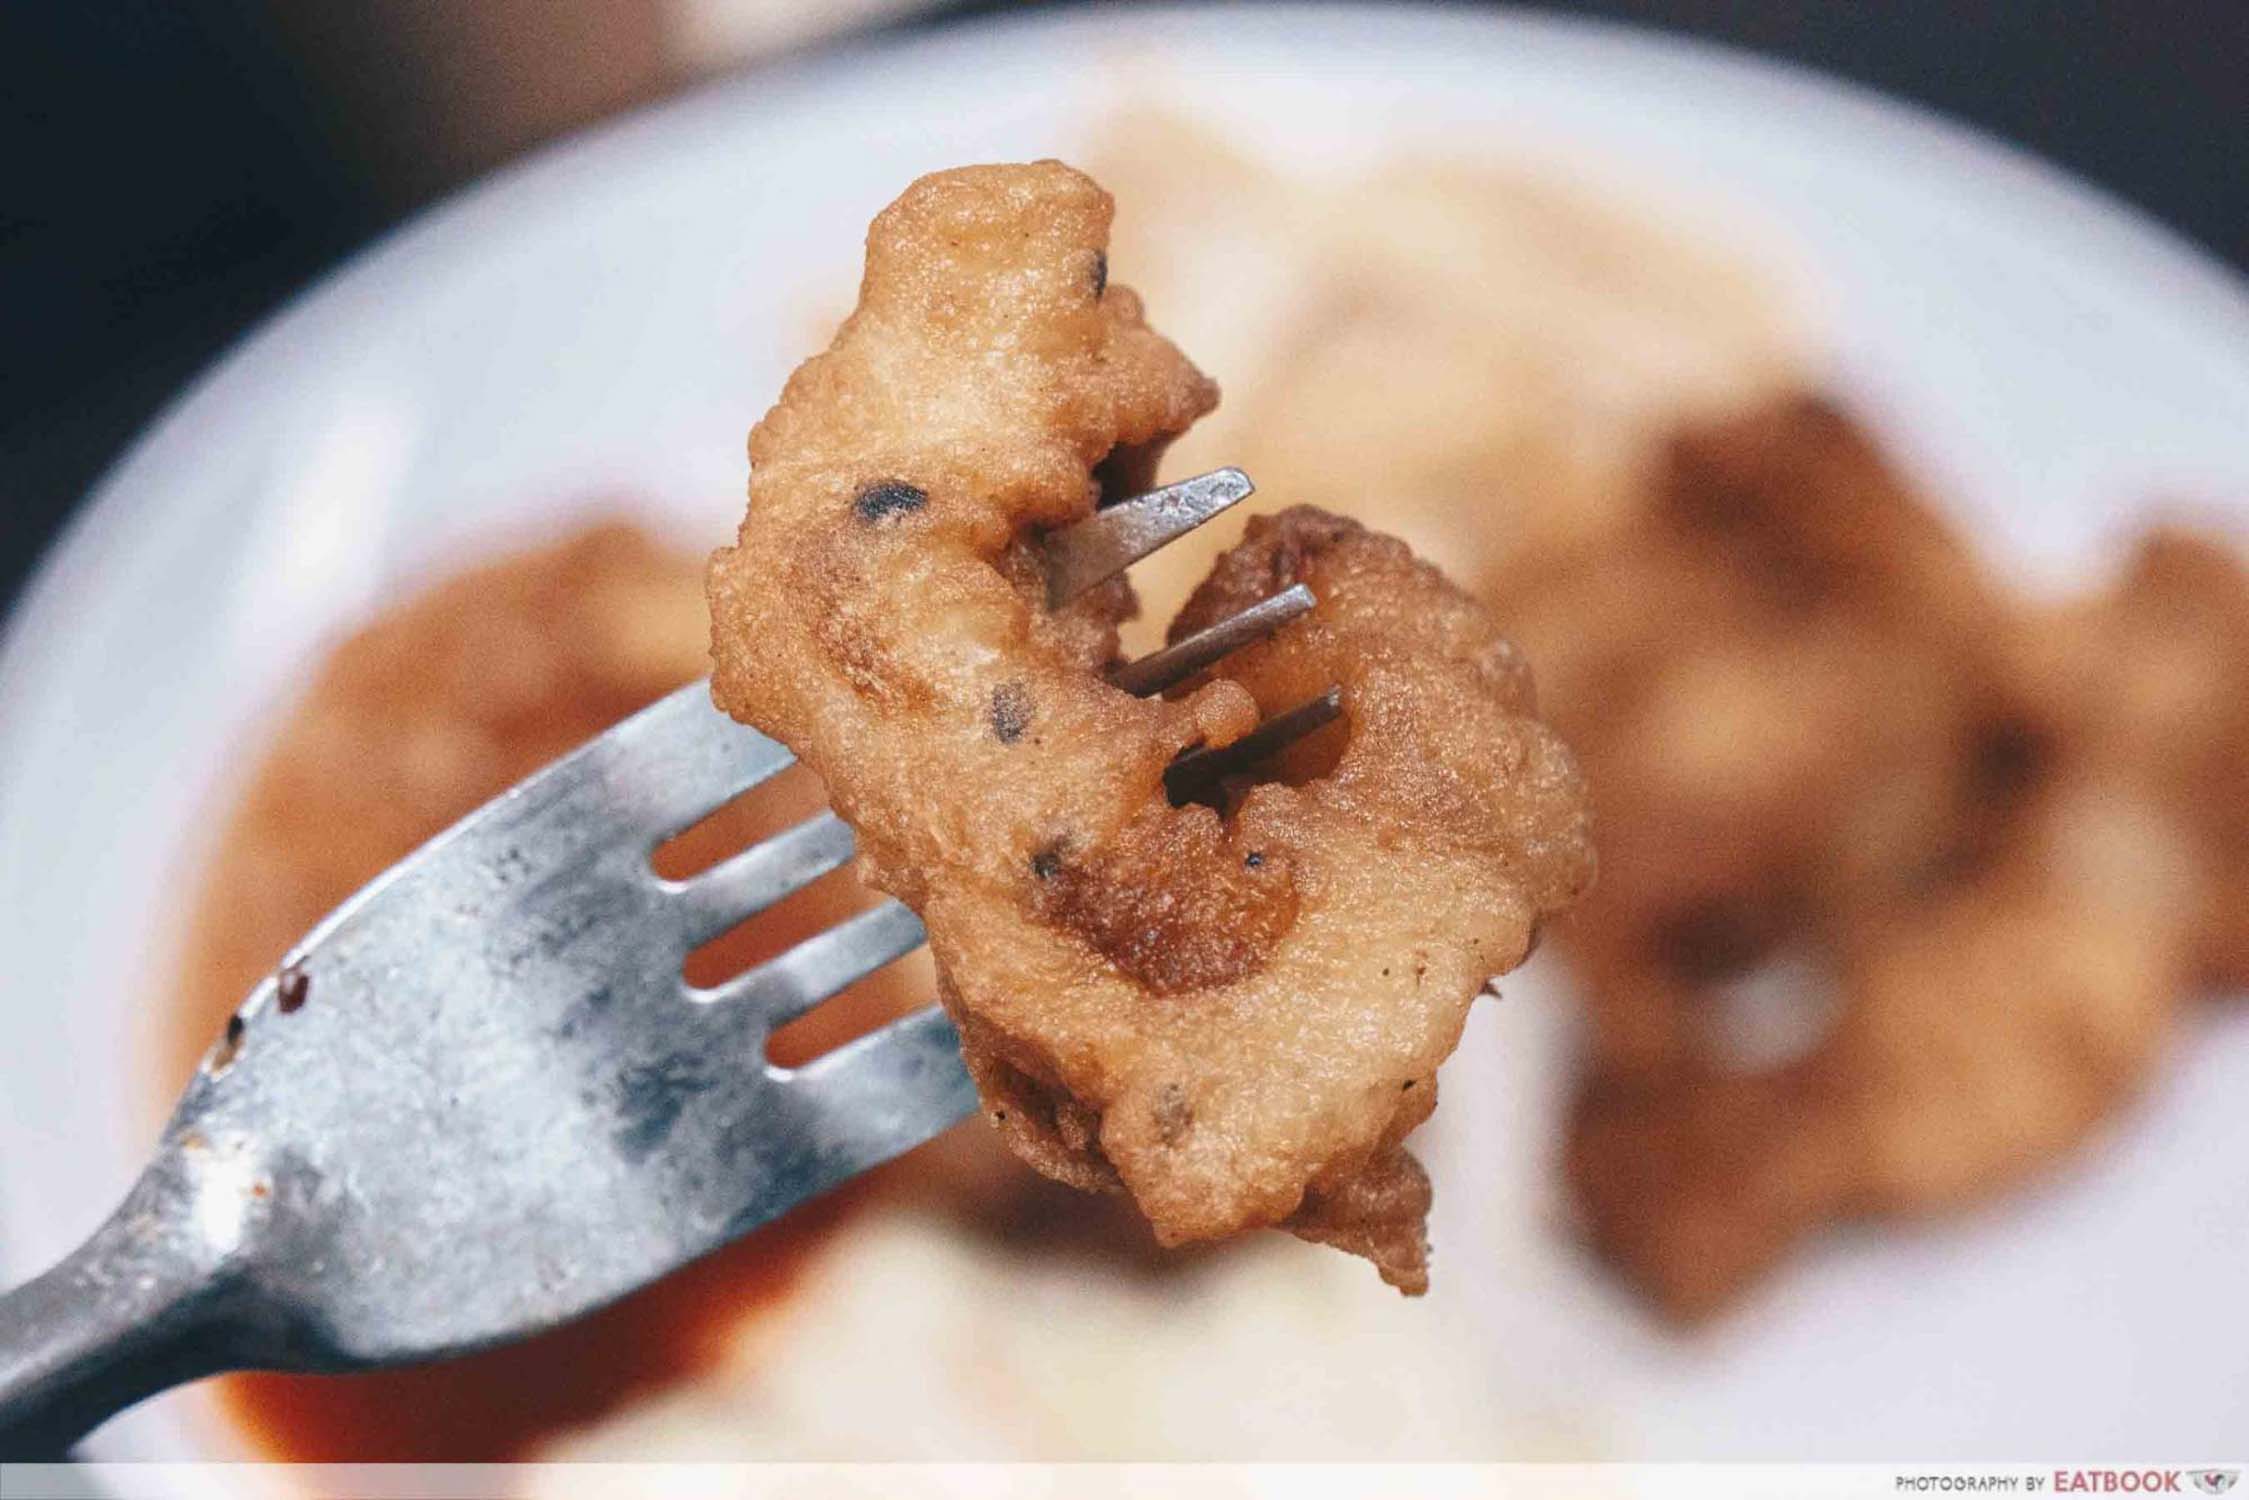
x,y
1011,712
888,500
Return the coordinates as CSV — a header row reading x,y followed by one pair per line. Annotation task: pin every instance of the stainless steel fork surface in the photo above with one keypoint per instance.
x,y
495,1103
480,1100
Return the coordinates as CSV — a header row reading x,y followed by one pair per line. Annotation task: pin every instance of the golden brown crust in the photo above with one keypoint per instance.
x,y
1222,1012
1380,1212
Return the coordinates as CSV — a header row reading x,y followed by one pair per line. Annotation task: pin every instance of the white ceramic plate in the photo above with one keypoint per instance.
x,y
613,314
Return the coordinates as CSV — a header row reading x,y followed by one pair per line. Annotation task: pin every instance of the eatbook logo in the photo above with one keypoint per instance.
x,y
2215,1481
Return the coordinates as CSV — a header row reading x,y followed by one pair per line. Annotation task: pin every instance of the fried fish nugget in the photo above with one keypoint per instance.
x,y
2166,658
1234,1015
2022,852
1981,1033
1419,839
1777,680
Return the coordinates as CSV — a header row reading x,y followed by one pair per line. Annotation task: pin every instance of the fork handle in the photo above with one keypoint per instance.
x,y
124,1316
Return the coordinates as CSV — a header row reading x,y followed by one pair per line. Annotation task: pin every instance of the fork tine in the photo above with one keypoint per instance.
x,y
902,1082
784,988
1176,663
1199,768
1107,542
747,883
665,768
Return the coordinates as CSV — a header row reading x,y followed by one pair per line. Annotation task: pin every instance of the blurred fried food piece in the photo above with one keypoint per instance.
x,y
1780,676
2160,667
1235,1017
2010,840
1982,1031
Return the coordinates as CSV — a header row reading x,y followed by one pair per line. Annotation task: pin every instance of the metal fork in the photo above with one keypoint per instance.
x,y
480,1100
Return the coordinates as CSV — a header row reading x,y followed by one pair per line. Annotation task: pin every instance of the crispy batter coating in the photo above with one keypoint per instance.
x,y
1234,1013
2007,840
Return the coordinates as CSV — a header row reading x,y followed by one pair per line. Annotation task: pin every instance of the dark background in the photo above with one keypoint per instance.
x,y
175,168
